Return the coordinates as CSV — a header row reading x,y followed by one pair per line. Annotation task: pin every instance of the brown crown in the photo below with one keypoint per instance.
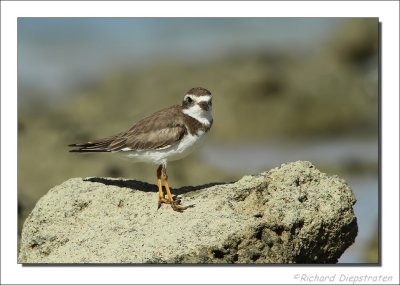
x,y
198,91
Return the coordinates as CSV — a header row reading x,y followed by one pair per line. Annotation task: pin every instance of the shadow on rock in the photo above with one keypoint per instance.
x,y
132,184
147,187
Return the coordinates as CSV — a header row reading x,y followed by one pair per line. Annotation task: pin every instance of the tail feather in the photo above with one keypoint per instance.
x,y
98,146
87,150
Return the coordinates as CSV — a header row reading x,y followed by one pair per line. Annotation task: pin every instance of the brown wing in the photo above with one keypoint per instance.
x,y
160,130
155,139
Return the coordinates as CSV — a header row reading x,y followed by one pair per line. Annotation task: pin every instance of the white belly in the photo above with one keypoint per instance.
x,y
178,151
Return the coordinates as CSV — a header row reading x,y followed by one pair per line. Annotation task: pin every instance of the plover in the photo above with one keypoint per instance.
x,y
169,134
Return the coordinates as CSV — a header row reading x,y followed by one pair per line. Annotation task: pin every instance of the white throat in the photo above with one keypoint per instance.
x,y
204,117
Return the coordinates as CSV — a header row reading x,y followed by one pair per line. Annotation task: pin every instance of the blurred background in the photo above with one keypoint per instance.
x,y
284,89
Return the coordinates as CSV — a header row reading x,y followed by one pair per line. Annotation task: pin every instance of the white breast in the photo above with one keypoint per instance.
x,y
188,144
178,151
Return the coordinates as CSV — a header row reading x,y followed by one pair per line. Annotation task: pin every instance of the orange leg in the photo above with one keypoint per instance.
x,y
162,176
161,198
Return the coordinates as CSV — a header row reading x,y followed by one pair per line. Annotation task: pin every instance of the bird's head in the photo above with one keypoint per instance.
x,y
197,103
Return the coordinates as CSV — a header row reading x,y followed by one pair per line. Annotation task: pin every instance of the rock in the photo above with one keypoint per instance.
x,y
290,214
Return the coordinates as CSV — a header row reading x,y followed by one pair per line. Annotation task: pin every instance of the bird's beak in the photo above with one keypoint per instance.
x,y
204,106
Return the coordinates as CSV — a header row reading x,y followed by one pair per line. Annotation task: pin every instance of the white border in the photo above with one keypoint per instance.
x,y
12,273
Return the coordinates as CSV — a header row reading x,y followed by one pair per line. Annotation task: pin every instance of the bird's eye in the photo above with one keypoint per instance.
x,y
189,100
210,102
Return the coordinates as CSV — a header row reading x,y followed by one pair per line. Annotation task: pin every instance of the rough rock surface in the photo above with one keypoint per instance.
x,y
290,214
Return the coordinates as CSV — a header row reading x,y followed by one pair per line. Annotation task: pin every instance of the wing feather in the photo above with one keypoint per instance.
x,y
163,129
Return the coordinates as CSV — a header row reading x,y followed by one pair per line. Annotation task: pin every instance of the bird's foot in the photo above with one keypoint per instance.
x,y
163,200
176,204
177,207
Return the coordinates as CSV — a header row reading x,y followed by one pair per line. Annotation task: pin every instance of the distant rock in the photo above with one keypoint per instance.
x,y
290,214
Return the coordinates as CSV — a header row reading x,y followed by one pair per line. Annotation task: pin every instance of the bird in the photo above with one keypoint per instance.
x,y
166,135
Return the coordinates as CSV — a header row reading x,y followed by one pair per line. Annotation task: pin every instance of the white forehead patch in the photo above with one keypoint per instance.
x,y
198,99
